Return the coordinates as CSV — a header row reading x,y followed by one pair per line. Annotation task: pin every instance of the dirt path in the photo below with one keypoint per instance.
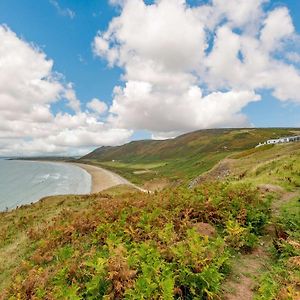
x,y
242,282
285,197
246,269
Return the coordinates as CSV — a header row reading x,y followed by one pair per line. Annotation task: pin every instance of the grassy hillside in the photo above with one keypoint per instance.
x,y
278,165
258,164
274,268
174,244
179,243
182,158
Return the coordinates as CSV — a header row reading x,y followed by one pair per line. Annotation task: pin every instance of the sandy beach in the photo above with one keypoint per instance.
x,y
103,179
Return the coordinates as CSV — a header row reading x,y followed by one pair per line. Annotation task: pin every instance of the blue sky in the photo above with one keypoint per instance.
x,y
65,40
65,30
270,112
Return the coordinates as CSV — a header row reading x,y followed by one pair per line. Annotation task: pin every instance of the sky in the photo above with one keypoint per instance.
x,y
79,74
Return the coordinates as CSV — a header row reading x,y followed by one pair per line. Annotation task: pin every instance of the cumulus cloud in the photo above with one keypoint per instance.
x,y
184,68
97,106
139,105
293,57
191,67
238,13
247,62
277,26
28,89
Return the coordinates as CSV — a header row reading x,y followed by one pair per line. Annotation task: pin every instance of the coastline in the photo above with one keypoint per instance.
x,y
23,182
103,179
100,179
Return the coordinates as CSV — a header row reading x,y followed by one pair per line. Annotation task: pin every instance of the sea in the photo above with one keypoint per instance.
x,y
24,182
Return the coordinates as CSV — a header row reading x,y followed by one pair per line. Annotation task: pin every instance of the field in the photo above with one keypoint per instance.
x,y
230,237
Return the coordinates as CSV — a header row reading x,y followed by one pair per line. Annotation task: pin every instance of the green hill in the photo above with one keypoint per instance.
x,y
224,238
182,158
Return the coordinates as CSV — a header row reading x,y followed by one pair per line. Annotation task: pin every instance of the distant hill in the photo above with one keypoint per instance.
x,y
183,157
202,141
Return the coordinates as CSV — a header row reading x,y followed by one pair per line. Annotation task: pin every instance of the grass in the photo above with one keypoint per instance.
x,y
183,158
282,280
278,165
133,244
145,166
126,170
175,244
252,151
14,242
182,170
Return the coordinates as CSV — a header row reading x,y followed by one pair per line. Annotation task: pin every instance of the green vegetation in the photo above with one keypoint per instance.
x,y
277,169
14,242
282,280
105,247
278,165
145,166
178,243
252,151
180,159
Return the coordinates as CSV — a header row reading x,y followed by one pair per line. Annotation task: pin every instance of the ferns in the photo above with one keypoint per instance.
x,y
142,246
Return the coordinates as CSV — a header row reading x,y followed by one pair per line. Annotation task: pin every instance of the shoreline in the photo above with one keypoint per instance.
x,y
102,179
38,187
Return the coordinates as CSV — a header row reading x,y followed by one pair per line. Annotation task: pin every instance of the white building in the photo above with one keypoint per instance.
x,y
282,140
276,141
294,138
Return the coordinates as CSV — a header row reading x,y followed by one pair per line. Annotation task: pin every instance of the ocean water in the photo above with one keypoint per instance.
x,y
23,182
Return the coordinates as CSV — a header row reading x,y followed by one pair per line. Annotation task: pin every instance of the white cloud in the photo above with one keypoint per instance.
x,y
70,95
184,68
277,26
141,106
97,106
239,13
188,68
246,62
293,57
28,88
151,32
66,12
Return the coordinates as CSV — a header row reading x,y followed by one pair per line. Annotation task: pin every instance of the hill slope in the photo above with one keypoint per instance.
x,y
184,157
176,244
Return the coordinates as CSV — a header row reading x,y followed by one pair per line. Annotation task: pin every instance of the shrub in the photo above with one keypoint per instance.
x,y
141,246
